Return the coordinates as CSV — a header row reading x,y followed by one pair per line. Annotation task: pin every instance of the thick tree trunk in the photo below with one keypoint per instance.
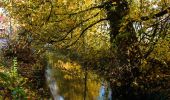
x,y
115,18
123,40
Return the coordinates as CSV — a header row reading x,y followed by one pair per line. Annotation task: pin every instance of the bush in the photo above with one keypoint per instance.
x,y
12,83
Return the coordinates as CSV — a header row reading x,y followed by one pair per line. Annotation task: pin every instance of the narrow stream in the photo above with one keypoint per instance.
x,y
67,80
52,84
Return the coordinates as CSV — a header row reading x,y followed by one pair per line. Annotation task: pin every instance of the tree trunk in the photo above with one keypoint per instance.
x,y
115,18
122,40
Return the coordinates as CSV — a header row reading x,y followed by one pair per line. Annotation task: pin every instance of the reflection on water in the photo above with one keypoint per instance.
x,y
73,83
105,92
51,81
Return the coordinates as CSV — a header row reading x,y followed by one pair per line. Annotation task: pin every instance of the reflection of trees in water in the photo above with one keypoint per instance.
x,y
105,92
71,82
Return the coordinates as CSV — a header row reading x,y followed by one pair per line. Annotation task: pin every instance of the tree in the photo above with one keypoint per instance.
x,y
134,29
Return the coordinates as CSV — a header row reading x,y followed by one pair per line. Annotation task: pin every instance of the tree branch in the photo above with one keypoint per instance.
x,y
159,14
72,29
51,8
84,30
91,8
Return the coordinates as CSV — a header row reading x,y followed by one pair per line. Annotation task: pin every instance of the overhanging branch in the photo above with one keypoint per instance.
x,y
88,9
84,30
72,29
159,14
